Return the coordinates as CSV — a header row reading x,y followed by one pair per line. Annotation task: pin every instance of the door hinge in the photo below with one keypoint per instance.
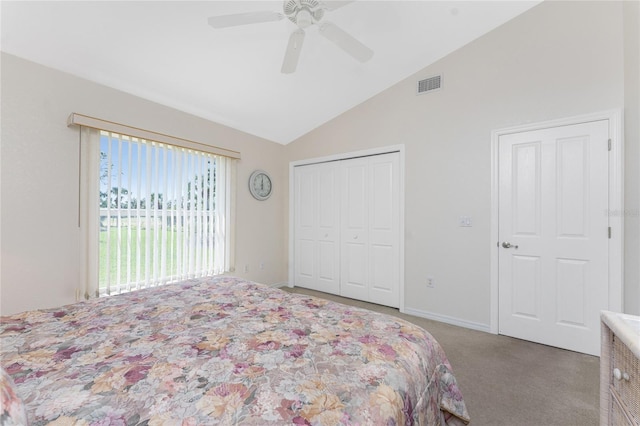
x,y
609,144
609,232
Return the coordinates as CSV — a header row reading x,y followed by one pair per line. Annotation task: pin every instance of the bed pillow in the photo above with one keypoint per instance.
x,y
12,409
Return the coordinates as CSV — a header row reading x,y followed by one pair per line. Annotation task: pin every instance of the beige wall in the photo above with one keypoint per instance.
x,y
559,59
39,184
631,25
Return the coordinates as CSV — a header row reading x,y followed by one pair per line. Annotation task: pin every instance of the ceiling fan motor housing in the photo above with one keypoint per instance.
x,y
310,12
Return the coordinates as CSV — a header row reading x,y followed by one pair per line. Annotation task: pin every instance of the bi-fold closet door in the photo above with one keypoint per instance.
x,y
317,227
347,228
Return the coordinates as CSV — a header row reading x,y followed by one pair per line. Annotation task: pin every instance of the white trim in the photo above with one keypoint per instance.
x,y
344,156
616,203
291,224
278,285
401,235
448,320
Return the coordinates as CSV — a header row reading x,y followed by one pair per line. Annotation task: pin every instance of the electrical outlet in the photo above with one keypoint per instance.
x,y
431,282
261,265
465,221
246,268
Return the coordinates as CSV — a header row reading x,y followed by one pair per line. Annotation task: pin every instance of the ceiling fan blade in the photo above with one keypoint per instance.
x,y
292,54
335,4
346,42
224,21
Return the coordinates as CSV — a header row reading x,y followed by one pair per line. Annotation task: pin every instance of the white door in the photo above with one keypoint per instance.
x,y
317,227
354,275
370,227
553,232
384,229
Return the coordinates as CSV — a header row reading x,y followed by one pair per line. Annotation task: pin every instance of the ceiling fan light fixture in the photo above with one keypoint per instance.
x,y
304,19
303,13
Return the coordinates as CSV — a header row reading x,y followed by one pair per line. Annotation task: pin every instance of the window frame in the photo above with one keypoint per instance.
x,y
89,208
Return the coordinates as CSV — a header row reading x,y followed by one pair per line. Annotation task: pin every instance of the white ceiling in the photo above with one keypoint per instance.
x,y
165,51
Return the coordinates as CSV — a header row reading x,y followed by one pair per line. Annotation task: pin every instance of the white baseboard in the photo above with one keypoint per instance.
x,y
448,320
429,315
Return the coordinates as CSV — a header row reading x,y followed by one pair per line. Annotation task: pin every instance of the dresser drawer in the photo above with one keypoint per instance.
x,y
617,416
625,379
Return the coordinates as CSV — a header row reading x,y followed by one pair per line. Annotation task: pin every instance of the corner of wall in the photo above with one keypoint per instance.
x,y
631,34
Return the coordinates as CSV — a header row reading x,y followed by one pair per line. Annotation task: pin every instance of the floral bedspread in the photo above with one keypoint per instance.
x,y
225,351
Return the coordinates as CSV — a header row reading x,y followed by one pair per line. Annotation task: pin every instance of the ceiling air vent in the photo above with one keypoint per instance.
x,y
429,84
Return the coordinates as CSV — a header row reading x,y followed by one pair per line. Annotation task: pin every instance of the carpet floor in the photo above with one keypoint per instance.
x,y
507,381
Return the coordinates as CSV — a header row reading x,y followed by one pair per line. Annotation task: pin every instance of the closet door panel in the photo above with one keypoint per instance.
x,y
306,268
305,229
328,231
384,229
354,262
381,273
317,227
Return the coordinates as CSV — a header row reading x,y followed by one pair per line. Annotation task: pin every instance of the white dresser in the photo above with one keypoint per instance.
x,y
620,370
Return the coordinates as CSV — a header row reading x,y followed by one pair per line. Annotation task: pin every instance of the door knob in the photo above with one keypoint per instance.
x,y
508,245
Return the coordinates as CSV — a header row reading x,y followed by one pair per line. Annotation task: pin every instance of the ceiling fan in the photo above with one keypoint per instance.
x,y
303,13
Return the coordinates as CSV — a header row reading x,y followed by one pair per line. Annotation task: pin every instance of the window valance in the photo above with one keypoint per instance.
x,y
123,129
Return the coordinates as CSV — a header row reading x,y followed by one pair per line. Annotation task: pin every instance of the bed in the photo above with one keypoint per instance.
x,y
223,350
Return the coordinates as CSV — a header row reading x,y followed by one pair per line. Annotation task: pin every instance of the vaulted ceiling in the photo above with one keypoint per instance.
x,y
165,51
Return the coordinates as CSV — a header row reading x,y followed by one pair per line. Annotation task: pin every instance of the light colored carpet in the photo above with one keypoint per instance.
x,y
507,381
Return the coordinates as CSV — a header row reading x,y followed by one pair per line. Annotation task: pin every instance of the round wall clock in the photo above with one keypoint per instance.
x,y
260,185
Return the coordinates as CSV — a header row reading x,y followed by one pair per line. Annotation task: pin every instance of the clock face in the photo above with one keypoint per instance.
x,y
260,185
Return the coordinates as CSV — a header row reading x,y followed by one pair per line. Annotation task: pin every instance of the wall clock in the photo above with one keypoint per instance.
x,y
260,185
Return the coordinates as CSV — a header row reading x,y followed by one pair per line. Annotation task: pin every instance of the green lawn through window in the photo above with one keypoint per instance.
x,y
171,262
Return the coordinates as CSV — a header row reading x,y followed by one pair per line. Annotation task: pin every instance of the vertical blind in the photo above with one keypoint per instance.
x,y
162,213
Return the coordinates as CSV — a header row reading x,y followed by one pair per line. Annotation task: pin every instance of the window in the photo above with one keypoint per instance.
x,y
154,212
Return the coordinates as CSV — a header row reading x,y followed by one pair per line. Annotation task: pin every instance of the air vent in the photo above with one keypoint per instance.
x,y
429,84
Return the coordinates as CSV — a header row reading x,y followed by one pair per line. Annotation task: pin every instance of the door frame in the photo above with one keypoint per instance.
x,y
616,203
345,156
